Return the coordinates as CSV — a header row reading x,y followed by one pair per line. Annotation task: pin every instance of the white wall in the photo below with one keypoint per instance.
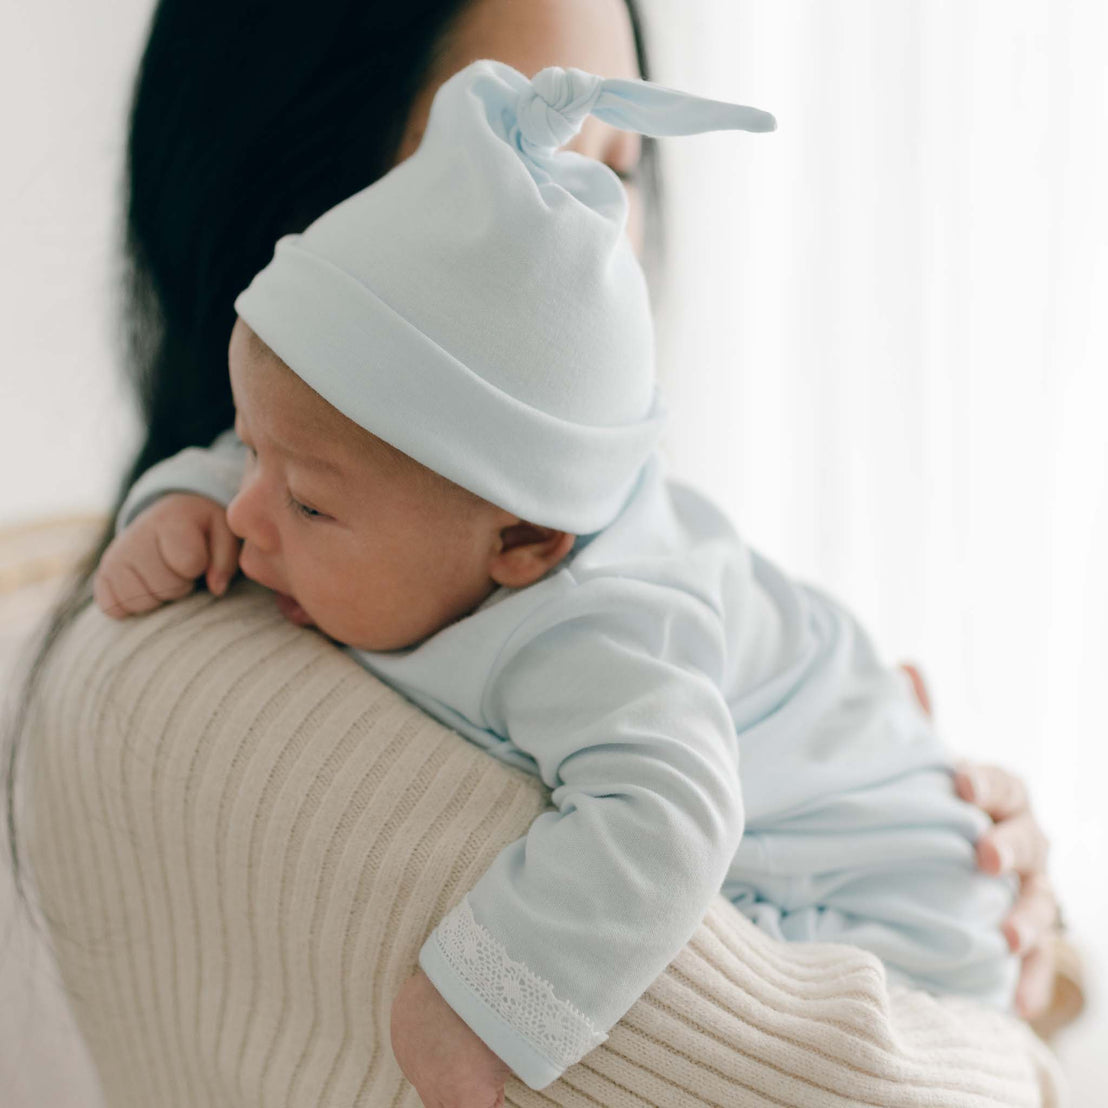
x,y
886,353
68,426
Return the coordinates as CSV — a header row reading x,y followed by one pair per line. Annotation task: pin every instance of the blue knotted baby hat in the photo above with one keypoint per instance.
x,y
480,307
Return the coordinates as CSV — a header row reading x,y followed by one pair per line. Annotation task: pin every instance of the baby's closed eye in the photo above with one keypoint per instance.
x,y
303,509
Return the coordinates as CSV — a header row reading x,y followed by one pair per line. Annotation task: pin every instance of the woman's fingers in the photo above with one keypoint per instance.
x,y
991,788
1036,985
1016,845
1034,916
918,685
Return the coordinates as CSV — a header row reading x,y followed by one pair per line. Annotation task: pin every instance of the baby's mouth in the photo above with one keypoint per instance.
x,y
291,610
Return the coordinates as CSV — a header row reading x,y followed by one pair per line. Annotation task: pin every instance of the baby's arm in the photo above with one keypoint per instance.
x,y
171,528
613,690
213,471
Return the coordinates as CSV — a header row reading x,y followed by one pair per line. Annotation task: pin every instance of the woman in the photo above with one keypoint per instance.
x,y
246,127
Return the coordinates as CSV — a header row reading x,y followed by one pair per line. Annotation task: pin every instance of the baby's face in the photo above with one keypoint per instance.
x,y
376,550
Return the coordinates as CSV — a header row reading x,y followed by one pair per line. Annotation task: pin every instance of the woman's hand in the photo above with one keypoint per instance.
x,y
445,1060
1015,844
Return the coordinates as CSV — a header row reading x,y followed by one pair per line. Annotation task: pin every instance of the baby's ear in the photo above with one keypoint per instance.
x,y
526,552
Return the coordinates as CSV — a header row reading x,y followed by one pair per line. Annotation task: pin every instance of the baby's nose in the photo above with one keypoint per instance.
x,y
234,516
246,518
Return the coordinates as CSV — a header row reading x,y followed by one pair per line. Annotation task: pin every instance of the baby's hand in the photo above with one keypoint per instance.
x,y
446,1061
160,553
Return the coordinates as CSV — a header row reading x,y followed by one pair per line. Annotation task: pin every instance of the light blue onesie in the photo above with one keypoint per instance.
x,y
705,724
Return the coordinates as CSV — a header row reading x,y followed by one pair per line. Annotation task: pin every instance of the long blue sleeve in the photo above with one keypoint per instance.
x,y
214,471
613,689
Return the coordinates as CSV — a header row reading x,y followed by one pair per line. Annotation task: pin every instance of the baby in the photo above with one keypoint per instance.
x,y
445,458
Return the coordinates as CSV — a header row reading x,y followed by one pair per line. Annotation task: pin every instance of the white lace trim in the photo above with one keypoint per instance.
x,y
521,998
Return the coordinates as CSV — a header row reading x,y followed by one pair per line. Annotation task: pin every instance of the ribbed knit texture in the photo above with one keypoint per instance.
x,y
241,839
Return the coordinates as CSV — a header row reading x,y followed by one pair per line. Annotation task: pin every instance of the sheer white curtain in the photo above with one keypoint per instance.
x,y
883,339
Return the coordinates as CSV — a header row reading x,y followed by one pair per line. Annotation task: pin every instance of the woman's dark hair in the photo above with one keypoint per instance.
x,y
248,120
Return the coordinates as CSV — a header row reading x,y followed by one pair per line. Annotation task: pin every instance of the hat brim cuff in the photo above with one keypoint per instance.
x,y
386,375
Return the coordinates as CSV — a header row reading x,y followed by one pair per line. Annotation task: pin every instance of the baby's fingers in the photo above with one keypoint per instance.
x,y
182,549
129,592
104,595
223,563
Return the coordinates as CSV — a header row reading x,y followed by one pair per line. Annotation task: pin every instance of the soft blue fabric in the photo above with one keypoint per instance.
x,y
704,723
480,306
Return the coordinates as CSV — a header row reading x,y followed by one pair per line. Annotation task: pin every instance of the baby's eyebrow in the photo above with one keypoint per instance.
x,y
312,462
309,461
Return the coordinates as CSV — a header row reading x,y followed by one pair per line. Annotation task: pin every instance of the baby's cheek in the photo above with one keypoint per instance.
x,y
352,611
325,601
344,621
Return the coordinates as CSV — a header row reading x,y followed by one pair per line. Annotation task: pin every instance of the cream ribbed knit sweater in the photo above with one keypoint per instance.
x,y
241,839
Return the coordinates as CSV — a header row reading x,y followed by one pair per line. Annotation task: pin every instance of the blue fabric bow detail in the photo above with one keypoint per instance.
x,y
556,101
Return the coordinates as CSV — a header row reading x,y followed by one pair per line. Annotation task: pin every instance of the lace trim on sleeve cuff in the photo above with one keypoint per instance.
x,y
518,995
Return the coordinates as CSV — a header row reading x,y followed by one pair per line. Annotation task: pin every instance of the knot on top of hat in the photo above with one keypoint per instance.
x,y
552,108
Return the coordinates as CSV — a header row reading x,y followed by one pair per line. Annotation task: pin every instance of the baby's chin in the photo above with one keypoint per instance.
x,y
377,644
292,611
